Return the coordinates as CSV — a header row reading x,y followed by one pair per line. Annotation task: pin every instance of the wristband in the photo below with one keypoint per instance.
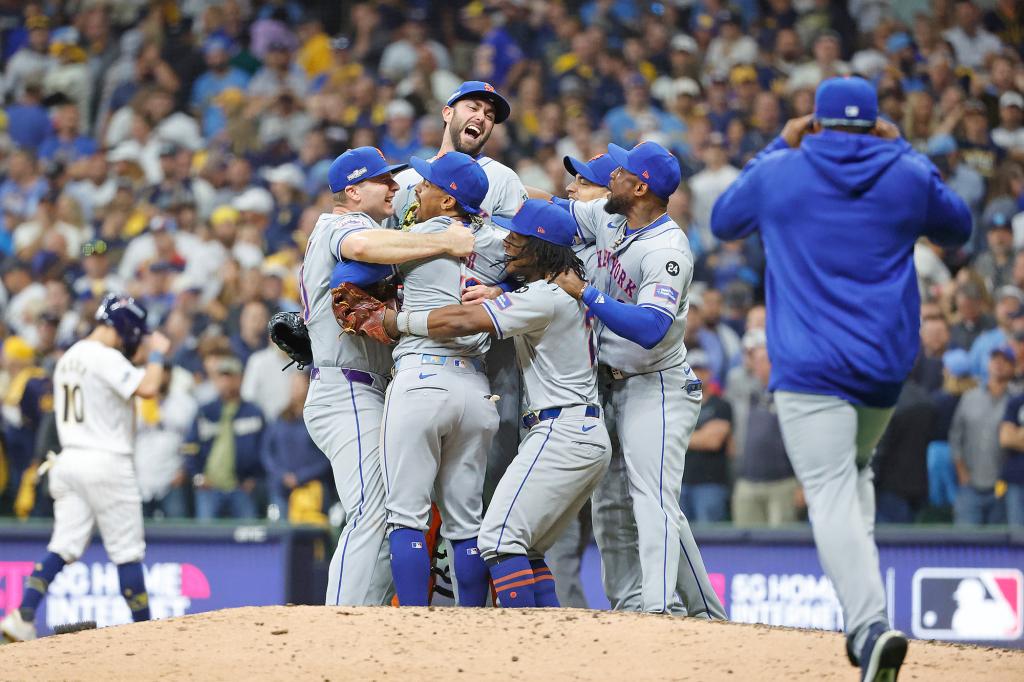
x,y
402,322
418,323
155,357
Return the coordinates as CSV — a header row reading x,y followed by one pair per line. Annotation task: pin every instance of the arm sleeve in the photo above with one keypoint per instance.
x,y
116,371
947,219
641,325
734,214
360,274
521,312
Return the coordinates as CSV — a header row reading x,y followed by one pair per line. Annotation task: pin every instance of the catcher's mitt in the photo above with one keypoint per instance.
x,y
357,312
289,333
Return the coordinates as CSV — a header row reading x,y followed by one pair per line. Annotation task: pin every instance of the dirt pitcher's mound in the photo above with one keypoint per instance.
x,y
341,643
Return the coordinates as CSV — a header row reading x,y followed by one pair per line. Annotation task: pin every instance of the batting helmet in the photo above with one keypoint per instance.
x,y
127,317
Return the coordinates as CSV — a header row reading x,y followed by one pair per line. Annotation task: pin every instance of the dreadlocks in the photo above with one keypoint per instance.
x,y
550,260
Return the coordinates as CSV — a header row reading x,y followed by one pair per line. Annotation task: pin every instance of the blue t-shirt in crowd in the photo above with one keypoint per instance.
x,y
208,86
67,151
1013,464
28,125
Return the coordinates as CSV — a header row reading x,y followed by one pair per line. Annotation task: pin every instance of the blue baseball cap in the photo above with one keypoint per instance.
x,y
597,171
543,220
502,110
457,174
652,163
957,362
356,165
846,101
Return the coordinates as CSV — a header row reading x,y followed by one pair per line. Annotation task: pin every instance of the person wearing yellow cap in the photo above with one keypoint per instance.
x,y
31,60
25,401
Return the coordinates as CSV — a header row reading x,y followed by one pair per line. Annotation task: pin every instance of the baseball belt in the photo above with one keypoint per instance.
x,y
531,419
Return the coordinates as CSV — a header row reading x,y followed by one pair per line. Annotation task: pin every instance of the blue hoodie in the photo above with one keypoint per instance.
x,y
839,216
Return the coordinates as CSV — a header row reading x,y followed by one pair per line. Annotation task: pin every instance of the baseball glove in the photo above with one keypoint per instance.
x,y
289,333
357,312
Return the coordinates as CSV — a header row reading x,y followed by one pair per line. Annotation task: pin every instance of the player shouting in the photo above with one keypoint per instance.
x,y
93,480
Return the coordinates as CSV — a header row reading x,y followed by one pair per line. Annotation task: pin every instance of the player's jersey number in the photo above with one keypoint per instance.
x,y
74,403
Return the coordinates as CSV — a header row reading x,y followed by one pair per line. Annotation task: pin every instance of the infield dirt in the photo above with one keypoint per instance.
x,y
341,643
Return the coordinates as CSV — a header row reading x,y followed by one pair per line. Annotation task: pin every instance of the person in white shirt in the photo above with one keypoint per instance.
x,y
826,64
970,41
731,47
1010,133
707,185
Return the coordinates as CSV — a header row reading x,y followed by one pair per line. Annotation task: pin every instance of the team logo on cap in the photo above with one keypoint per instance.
x,y
541,230
594,158
852,111
381,154
646,175
488,87
453,186
356,173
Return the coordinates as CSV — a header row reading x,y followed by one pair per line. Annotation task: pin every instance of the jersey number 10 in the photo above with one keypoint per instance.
x,y
74,403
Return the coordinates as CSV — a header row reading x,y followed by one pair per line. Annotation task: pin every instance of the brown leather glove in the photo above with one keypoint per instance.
x,y
357,312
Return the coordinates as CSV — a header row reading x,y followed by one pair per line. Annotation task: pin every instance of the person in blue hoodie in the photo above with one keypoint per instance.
x,y
839,200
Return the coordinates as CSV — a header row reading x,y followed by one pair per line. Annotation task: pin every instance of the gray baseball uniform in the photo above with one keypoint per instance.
x,y
655,398
343,415
505,194
564,456
438,420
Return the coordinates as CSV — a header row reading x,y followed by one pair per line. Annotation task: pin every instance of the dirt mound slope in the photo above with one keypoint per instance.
x,y
342,643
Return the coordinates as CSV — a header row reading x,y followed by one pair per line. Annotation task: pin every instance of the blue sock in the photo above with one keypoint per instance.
x,y
35,585
133,589
410,566
544,584
470,573
513,581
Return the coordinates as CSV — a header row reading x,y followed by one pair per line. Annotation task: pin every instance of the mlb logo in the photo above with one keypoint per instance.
x,y
852,111
503,302
968,604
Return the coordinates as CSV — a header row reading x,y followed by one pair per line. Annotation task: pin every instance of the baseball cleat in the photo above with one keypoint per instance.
x,y
16,629
883,654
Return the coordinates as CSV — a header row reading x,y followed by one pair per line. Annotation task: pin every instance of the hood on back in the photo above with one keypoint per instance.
x,y
851,161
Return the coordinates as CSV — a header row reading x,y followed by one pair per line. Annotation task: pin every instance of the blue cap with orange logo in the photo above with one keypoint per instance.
x,y
457,174
543,220
652,163
356,165
597,171
502,110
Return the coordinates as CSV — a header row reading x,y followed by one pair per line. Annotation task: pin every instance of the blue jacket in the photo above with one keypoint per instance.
x,y
839,216
287,447
248,427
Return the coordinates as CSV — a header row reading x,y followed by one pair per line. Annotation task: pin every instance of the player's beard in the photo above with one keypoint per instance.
x,y
455,128
616,205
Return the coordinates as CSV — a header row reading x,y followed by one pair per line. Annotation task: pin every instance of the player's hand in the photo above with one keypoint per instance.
x,y
795,129
885,130
571,284
289,480
478,293
460,240
159,343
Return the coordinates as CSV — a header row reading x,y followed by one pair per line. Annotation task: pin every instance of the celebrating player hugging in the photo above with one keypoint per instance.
x,y
93,479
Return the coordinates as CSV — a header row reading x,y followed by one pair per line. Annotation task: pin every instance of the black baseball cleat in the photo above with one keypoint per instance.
x,y
883,654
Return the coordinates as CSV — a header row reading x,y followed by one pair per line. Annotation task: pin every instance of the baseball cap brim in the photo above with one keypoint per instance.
x,y
502,109
427,171
576,167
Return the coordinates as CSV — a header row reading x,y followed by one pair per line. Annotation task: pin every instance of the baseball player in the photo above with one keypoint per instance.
x,y
643,268
843,319
345,402
566,450
93,480
469,116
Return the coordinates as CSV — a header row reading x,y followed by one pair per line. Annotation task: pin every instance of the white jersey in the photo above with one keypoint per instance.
x,y
93,385
553,344
505,193
652,267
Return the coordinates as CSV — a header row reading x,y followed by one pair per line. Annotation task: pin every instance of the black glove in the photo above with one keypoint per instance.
x,y
289,333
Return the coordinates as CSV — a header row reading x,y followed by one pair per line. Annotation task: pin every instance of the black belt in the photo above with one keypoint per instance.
x,y
533,418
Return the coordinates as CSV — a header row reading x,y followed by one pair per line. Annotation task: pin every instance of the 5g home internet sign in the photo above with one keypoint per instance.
x,y
968,604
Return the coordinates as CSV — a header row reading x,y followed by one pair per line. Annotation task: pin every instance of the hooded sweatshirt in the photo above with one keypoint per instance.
x,y
839,216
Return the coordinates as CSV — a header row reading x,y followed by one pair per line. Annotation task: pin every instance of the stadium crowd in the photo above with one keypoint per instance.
x,y
179,152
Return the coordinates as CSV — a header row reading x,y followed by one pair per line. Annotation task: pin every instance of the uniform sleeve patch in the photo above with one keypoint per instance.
x,y
503,302
666,292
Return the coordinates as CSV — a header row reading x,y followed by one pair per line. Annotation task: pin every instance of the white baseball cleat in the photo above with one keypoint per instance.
x,y
17,629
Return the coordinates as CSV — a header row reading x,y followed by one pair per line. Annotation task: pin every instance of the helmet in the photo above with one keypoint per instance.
x,y
127,317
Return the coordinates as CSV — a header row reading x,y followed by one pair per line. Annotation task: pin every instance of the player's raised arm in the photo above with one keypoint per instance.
x,y
149,387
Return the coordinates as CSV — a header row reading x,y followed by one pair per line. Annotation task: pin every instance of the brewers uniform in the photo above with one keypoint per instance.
x,y
654,399
343,414
505,194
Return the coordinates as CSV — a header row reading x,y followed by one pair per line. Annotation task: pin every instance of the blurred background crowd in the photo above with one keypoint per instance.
x,y
178,151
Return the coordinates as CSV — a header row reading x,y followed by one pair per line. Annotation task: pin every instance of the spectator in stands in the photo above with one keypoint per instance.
x,y
252,330
161,426
279,74
399,141
928,367
31,61
709,184
220,76
705,492
1009,305
28,396
1011,438
222,449
971,42
20,193
65,143
296,469
630,123
265,384
974,442
766,491
973,320
901,458
957,379
28,122
1010,133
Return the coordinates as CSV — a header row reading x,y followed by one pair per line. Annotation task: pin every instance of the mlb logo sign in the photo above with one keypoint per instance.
x,y
968,604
